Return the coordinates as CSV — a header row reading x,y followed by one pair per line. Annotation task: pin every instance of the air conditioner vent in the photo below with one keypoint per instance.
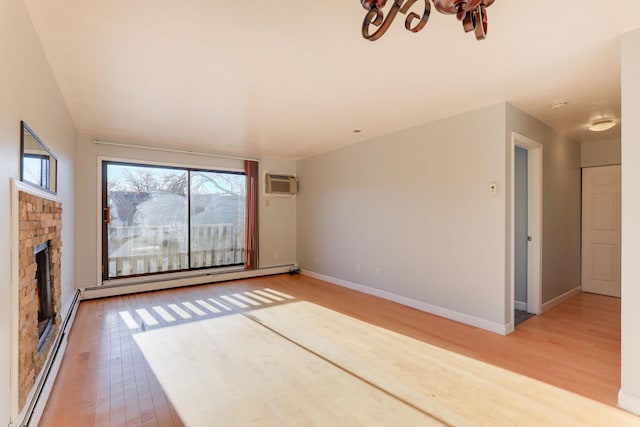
x,y
281,184
282,177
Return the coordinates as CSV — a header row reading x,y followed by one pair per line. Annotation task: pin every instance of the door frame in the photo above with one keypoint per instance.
x,y
534,197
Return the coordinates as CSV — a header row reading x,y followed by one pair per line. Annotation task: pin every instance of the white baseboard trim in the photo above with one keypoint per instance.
x,y
561,298
37,399
509,328
519,305
115,290
629,402
419,305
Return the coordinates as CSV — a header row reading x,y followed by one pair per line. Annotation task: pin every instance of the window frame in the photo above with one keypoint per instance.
x,y
103,228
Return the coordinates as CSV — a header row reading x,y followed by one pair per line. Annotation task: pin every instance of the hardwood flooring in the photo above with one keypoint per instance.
x,y
126,358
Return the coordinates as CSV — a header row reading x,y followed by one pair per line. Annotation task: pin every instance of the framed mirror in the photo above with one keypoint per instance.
x,y
38,165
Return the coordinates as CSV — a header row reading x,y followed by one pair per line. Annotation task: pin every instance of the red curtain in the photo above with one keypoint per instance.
x,y
251,169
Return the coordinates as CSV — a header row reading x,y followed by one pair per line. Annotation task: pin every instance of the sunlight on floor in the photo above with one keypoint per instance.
x,y
303,362
208,306
233,301
190,310
179,311
147,317
164,314
232,370
128,320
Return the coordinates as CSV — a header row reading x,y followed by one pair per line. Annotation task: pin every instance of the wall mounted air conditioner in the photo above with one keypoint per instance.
x,y
280,184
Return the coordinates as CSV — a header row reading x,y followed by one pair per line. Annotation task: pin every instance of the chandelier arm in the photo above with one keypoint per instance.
x,y
472,14
371,4
456,7
375,17
468,23
481,22
412,16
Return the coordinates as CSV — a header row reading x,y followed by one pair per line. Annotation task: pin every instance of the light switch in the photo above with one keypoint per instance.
x,y
493,188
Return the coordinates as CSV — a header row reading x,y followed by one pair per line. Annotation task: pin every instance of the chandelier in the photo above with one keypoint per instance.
x,y
472,14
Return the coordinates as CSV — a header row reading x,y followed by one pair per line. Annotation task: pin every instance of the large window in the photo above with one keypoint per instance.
x,y
163,219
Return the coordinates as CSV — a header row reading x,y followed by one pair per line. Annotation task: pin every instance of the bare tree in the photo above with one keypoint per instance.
x,y
145,180
228,184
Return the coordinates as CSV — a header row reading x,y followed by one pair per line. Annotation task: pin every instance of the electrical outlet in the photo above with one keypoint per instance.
x,y
315,259
378,272
358,268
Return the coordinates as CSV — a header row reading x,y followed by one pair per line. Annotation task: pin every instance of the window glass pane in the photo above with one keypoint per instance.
x,y
148,228
34,169
218,218
45,172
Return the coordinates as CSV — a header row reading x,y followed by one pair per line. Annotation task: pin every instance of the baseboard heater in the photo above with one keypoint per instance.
x,y
50,361
156,283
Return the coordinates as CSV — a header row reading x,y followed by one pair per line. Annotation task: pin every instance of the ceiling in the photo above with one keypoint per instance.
x,y
294,78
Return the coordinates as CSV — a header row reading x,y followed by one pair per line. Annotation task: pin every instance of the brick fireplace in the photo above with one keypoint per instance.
x,y
39,285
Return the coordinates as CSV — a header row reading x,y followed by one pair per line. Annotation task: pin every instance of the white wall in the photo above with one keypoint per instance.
x,y
630,392
600,153
277,221
561,210
416,205
30,93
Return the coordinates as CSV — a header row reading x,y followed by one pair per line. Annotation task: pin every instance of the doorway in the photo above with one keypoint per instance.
x,y
521,235
526,228
601,236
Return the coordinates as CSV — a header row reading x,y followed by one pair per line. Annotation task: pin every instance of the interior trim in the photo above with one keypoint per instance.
x,y
629,402
560,298
478,322
39,396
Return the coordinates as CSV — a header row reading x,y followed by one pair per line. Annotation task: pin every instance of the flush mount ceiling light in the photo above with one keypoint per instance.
x,y
472,14
556,105
603,124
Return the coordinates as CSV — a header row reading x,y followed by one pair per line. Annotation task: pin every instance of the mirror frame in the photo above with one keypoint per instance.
x,y
53,175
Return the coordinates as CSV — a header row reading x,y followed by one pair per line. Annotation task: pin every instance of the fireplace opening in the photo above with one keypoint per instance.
x,y
44,292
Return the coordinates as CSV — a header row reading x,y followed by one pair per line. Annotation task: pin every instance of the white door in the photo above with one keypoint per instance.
x,y
601,230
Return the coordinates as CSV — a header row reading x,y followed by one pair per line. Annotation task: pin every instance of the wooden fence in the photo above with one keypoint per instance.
x,y
142,249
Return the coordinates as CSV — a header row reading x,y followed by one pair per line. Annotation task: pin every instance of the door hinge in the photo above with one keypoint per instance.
x,y
529,238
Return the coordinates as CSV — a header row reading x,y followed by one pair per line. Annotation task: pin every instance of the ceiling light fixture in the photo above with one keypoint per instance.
x,y
472,14
603,124
555,105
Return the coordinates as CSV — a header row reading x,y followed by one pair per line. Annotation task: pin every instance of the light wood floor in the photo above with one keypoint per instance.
x,y
126,358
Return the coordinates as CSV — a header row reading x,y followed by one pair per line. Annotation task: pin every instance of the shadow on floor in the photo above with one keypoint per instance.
x,y
520,316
